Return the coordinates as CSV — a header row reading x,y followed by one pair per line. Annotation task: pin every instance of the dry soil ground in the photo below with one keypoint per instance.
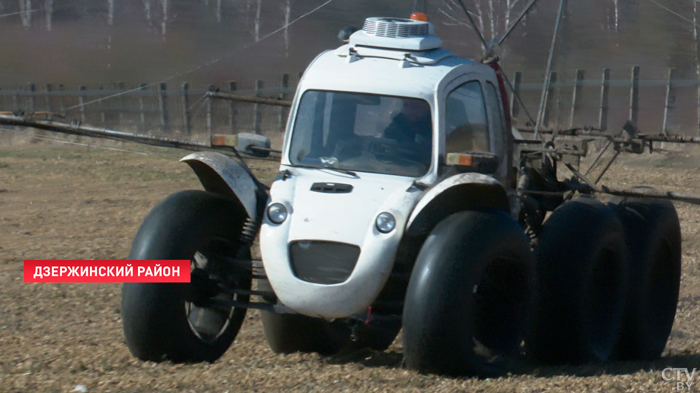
x,y
75,202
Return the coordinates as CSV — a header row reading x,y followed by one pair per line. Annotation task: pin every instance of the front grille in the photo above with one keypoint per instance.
x,y
323,262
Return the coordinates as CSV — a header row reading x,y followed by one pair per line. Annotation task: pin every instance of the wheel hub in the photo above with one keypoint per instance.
x,y
203,287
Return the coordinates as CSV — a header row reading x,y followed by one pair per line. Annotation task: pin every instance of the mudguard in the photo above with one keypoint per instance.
x,y
222,175
456,193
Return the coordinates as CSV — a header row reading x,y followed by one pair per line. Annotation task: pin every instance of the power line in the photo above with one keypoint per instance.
x,y
20,12
207,63
674,12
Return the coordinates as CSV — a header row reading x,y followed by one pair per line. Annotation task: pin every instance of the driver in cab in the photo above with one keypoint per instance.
x,y
412,129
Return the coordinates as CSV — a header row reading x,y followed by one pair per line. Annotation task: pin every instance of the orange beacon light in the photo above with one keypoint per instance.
x,y
419,16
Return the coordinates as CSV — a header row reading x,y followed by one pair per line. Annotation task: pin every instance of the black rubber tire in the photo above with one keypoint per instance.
x,y
653,235
154,315
581,285
289,333
376,335
468,295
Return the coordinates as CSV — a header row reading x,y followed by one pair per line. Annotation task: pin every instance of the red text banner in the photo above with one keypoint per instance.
x,y
106,271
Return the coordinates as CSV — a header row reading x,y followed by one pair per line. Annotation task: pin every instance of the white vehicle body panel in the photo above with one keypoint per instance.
x,y
350,218
346,218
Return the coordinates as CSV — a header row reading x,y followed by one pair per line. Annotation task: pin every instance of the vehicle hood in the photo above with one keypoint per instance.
x,y
343,217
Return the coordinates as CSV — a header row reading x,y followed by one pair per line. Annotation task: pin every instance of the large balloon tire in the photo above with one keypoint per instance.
x,y
467,300
161,320
376,335
653,235
581,285
289,333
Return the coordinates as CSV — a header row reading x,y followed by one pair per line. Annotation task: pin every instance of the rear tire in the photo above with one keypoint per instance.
x,y
653,235
377,335
161,321
467,299
581,285
289,333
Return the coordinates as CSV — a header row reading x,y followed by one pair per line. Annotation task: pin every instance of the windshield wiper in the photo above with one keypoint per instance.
x,y
341,170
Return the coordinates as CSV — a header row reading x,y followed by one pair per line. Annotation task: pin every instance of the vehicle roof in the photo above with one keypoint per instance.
x,y
385,71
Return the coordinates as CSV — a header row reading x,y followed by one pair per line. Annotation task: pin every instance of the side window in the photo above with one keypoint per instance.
x,y
496,115
465,120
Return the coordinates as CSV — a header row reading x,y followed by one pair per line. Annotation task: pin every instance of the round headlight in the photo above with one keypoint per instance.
x,y
277,213
385,222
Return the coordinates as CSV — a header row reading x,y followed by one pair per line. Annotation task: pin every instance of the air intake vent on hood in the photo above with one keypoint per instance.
x,y
331,188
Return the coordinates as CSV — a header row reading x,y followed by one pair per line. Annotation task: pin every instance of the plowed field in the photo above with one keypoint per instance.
x,y
77,202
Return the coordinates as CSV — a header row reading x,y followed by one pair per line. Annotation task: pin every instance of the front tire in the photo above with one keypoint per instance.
x,y
169,321
468,296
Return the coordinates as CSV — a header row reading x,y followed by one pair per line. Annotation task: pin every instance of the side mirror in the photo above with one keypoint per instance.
x,y
254,144
480,162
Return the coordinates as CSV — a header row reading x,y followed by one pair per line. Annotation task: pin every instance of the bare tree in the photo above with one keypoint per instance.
x,y
49,13
287,15
164,23
247,13
257,21
510,4
110,12
493,17
25,9
617,14
147,9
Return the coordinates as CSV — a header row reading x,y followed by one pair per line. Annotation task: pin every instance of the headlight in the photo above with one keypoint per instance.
x,y
385,222
277,213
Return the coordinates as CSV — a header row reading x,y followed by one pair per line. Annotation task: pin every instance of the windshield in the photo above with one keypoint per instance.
x,y
362,132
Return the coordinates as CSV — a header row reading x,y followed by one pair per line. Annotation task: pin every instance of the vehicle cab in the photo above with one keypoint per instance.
x,y
378,129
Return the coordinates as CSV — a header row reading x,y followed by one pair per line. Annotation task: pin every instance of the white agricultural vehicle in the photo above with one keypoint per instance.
x,y
402,202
